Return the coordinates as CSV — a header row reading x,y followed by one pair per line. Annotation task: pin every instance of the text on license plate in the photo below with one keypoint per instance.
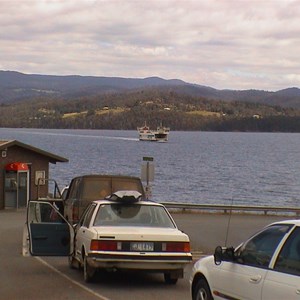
x,y
141,246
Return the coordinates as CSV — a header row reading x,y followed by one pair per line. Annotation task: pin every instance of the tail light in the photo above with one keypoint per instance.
x,y
176,247
97,245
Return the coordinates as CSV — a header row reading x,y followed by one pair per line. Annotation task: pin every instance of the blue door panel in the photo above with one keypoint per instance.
x,y
50,239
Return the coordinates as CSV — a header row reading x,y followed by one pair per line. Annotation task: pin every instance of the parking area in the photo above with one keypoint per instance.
x,y
51,278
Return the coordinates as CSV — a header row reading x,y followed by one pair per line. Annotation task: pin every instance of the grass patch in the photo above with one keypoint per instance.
x,y
110,110
204,113
73,115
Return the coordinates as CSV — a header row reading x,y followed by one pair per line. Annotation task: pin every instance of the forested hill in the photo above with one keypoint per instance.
x,y
129,109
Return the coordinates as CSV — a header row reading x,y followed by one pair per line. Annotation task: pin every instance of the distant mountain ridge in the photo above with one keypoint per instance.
x,y
16,86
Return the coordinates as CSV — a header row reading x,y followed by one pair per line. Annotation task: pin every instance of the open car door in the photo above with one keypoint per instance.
x,y
49,233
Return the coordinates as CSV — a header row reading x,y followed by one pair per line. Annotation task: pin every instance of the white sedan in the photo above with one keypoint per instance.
x,y
266,266
122,232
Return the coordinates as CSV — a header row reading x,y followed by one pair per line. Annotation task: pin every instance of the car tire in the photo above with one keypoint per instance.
x,y
88,271
169,279
202,291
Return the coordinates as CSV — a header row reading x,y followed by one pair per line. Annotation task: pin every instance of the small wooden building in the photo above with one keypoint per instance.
x,y
21,168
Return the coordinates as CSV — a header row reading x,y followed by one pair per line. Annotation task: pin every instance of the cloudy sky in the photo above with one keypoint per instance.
x,y
225,44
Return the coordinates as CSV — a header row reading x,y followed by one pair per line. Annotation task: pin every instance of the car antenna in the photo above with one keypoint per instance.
x,y
229,220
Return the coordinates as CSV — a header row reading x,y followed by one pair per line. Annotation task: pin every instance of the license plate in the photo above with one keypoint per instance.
x,y
142,246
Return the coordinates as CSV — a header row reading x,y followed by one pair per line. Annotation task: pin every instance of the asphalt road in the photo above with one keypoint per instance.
x,y
27,278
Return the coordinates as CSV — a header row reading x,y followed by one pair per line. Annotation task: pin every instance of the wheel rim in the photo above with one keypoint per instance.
x,y
202,295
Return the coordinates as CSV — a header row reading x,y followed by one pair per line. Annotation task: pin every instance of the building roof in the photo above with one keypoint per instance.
x,y
52,157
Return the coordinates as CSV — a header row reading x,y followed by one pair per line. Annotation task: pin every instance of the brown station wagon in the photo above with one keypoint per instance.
x,y
87,188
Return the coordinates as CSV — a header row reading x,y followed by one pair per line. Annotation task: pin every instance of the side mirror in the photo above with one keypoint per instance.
x,y
223,254
218,255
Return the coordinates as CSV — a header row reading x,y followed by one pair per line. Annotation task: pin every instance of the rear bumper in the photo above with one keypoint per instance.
x,y
143,261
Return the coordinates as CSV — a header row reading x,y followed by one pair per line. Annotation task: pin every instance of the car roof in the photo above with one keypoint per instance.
x,y
107,176
290,221
141,202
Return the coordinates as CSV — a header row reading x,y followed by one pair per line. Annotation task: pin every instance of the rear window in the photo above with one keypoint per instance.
x,y
133,215
98,188
121,184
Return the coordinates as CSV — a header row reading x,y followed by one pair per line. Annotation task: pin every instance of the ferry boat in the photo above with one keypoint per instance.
x,y
161,133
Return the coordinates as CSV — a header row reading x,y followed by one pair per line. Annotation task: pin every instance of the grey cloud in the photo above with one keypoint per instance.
x,y
224,44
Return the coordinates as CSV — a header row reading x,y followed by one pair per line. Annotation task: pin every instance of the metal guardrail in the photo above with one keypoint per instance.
x,y
232,208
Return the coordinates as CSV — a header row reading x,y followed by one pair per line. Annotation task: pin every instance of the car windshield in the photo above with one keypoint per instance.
x,y
133,215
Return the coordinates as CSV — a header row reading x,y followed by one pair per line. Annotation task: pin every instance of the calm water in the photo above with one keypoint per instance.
x,y
198,167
